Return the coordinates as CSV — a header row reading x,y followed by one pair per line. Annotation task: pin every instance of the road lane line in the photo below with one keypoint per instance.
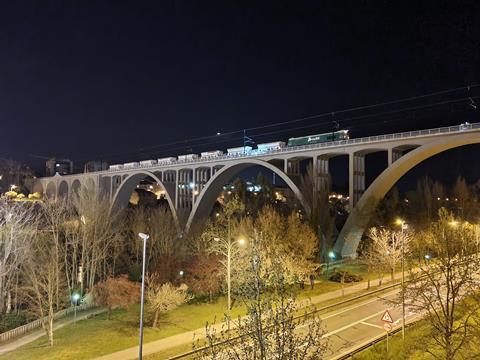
x,y
358,305
366,323
351,324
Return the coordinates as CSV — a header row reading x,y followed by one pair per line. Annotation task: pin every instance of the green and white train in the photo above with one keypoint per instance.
x,y
318,138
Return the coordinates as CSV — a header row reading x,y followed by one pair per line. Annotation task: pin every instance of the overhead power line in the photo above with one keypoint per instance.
x,y
330,118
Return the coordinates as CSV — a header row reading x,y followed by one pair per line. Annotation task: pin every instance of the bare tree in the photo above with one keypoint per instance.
x,y
386,248
221,238
162,298
444,283
96,235
315,190
160,225
53,218
18,223
270,330
287,240
42,288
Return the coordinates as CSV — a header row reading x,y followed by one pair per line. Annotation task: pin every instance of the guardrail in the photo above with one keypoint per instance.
x,y
369,139
21,330
321,309
374,341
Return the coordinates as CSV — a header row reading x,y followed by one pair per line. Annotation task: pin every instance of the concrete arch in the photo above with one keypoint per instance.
x,y
89,183
122,194
352,231
51,190
38,187
208,195
75,186
63,190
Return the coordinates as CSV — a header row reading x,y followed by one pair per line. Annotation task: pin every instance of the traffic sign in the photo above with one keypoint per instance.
x,y
387,317
387,327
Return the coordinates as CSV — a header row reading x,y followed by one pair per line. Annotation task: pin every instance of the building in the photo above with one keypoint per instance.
x,y
95,165
15,176
60,166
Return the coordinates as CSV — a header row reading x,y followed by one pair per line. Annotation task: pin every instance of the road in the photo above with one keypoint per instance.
x,y
355,325
352,326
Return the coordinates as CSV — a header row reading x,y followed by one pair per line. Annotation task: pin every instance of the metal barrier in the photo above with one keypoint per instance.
x,y
369,139
21,330
323,308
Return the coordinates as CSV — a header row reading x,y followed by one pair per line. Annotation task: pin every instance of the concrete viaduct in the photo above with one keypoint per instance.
x,y
192,187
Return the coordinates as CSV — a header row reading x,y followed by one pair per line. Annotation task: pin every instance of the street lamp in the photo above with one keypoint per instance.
x,y
144,237
403,225
75,298
229,248
330,257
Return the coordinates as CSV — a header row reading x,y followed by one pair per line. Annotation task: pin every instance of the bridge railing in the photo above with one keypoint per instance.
x,y
369,139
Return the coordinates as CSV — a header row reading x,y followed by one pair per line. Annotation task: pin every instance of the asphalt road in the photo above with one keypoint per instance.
x,y
349,327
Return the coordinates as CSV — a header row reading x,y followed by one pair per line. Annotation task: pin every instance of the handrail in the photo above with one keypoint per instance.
x,y
369,139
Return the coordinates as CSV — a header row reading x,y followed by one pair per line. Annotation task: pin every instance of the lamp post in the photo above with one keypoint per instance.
x,y
330,256
144,237
403,226
227,249
75,298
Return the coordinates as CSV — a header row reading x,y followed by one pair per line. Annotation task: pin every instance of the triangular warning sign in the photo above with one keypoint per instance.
x,y
387,317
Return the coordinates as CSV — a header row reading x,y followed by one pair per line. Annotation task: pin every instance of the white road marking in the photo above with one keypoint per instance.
x,y
352,324
369,324
356,306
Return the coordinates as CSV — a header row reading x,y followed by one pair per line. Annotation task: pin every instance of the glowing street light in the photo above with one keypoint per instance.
x,y
453,223
75,298
330,257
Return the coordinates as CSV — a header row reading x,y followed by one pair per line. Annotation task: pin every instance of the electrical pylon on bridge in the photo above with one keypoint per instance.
x,y
192,187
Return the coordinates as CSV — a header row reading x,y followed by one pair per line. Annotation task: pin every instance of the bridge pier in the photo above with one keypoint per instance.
x,y
393,155
356,178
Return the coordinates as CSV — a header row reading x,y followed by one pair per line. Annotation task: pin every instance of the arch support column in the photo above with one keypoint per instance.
x,y
393,155
351,233
356,178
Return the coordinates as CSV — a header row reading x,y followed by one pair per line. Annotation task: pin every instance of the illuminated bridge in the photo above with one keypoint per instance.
x,y
192,185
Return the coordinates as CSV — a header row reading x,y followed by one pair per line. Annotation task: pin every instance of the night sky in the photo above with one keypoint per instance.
x,y
102,79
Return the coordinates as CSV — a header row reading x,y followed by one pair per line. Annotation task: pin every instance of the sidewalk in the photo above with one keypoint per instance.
x,y
187,337
13,345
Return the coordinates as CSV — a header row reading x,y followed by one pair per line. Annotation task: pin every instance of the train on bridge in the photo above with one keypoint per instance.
x,y
241,150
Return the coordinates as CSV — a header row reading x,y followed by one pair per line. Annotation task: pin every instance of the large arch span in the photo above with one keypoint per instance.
x,y
207,197
122,195
356,224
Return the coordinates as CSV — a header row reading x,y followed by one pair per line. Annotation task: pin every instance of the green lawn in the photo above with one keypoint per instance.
x,y
98,336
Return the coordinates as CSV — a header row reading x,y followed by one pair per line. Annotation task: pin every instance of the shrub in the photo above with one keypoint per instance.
x,y
347,277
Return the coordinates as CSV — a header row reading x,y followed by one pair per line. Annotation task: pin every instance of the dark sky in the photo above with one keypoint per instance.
x,y
100,79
